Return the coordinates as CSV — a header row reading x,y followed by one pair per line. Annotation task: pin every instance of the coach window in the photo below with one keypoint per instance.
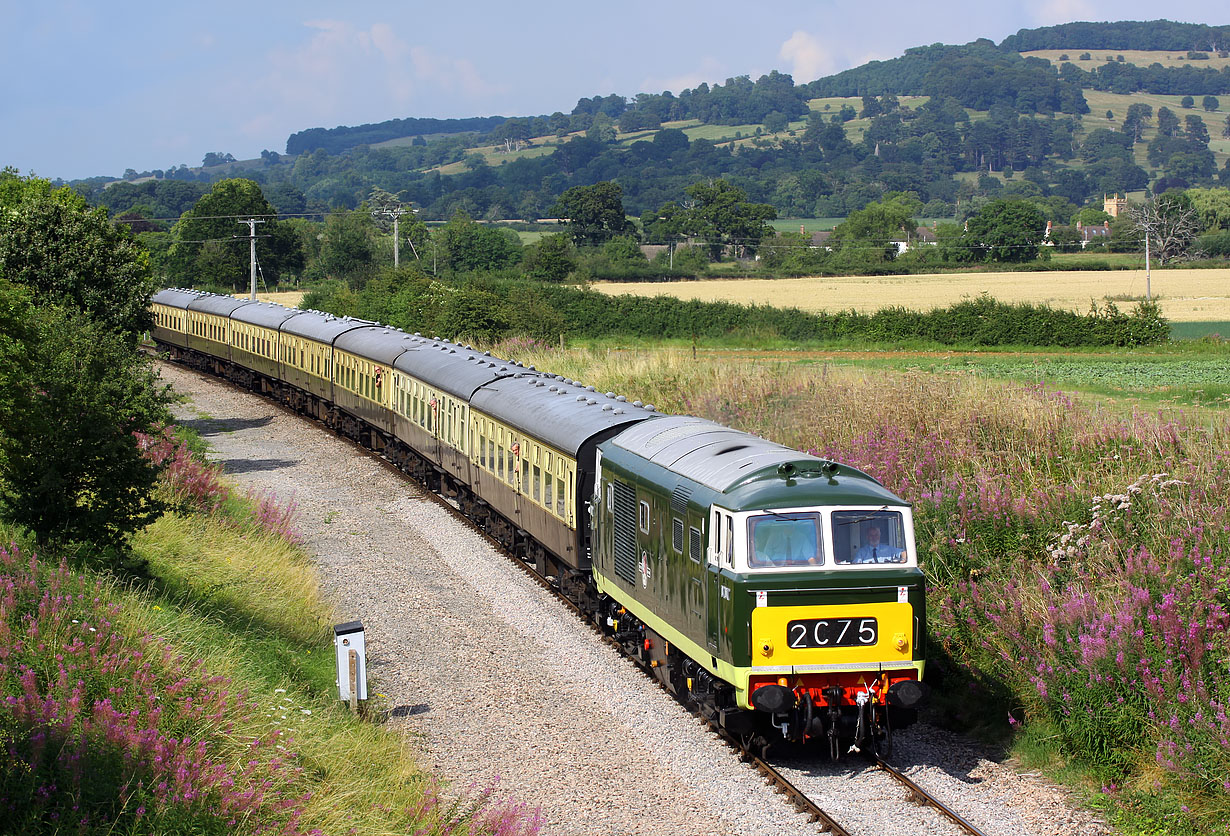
x,y
499,449
644,517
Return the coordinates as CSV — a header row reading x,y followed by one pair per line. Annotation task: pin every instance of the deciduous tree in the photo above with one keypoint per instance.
x,y
1170,223
594,213
66,253
70,467
722,214
214,219
1006,230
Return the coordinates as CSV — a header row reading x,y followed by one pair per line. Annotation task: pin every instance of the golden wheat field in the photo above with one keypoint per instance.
x,y
1184,295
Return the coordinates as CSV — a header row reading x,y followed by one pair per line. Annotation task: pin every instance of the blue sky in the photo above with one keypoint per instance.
x,y
93,88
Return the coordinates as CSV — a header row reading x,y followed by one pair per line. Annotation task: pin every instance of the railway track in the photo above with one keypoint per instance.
x,y
782,785
920,795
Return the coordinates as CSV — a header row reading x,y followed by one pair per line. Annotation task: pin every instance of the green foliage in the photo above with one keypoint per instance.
x,y
70,469
1006,231
211,246
551,259
464,246
594,213
66,253
347,247
333,295
722,214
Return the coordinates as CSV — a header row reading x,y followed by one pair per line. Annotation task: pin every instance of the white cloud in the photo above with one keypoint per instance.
x,y
809,59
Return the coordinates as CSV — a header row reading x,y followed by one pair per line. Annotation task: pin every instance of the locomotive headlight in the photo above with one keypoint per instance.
x,y
766,647
901,641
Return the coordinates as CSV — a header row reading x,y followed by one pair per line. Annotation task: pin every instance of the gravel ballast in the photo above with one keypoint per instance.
x,y
494,681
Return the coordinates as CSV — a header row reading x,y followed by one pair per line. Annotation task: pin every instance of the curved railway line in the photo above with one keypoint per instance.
x,y
795,796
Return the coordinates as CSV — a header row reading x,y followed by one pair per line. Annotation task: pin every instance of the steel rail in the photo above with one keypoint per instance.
x,y
927,798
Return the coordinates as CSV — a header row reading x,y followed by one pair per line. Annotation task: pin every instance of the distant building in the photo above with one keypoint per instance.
x,y
1093,232
1114,205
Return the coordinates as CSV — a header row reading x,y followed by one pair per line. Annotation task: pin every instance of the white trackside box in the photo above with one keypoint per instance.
x,y
348,637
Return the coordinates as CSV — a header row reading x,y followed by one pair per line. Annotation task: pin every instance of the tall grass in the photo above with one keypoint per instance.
x,y
199,697
1078,558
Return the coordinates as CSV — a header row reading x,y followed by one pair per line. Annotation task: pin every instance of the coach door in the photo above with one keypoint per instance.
x,y
720,556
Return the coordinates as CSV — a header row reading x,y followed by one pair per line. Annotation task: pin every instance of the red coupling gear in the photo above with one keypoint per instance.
x,y
648,643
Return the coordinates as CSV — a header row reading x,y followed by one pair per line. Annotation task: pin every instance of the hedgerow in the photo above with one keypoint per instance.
x,y
492,310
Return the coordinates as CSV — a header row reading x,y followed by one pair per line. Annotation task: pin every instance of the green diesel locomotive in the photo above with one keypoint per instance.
x,y
779,592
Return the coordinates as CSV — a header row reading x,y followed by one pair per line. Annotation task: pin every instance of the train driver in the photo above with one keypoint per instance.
x,y
873,550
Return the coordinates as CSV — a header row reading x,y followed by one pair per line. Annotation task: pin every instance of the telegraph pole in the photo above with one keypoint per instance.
x,y
252,222
1148,282
395,212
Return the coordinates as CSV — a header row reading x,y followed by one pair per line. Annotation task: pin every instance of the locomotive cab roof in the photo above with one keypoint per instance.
x,y
750,471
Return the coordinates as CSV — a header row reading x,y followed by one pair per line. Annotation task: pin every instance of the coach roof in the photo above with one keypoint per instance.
x,y
560,412
455,369
321,327
264,314
175,297
218,304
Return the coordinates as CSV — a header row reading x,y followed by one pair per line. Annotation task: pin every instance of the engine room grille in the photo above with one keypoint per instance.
x,y
677,535
625,531
679,499
697,553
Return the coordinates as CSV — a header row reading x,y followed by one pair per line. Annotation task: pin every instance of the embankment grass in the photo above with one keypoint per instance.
x,y
198,695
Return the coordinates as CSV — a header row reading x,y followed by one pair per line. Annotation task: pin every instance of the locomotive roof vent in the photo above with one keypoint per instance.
x,y
516,376
621,399
606,407
417,334
590,389
552,389
580,398
540,384
610,394
592,402
649,407
533,369
619,412
637,404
